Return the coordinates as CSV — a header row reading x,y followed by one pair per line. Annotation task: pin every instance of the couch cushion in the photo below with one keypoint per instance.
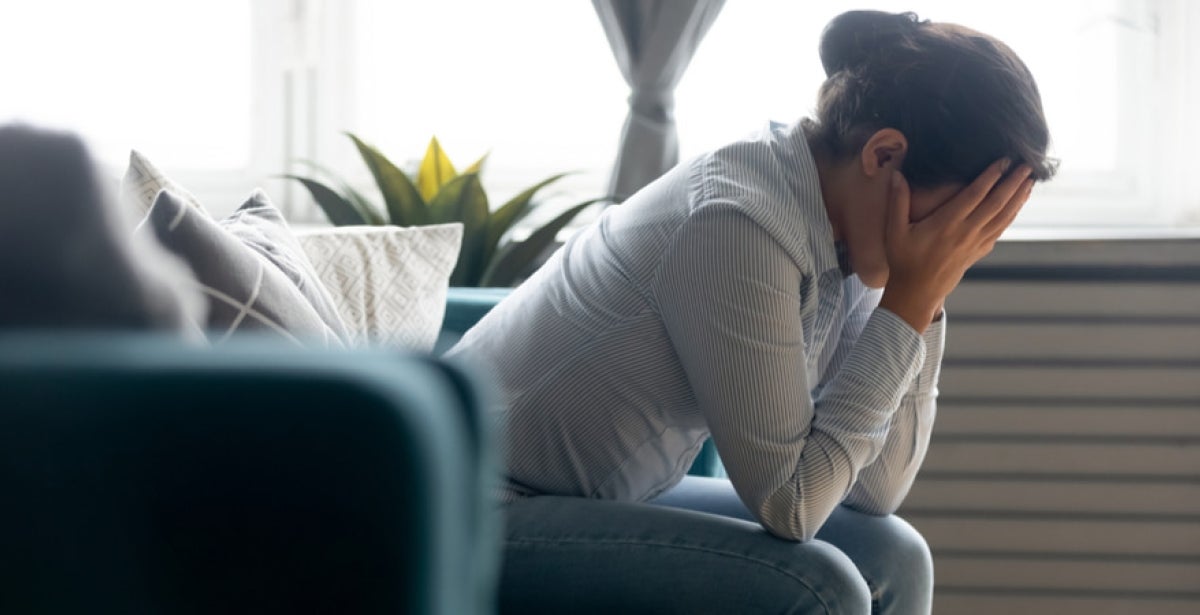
x,y
388,282
251,268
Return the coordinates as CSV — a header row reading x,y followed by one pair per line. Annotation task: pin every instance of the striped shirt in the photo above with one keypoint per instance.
x,y
711,303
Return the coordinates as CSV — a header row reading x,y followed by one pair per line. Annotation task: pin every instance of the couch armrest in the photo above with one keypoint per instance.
x,y
142,473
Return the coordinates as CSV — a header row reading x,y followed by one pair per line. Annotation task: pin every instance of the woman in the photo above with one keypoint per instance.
x,y
782,294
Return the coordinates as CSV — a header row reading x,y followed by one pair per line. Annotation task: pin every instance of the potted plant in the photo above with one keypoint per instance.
x,y
440,194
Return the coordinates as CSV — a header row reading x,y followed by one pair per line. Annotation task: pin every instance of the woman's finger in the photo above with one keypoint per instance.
x,y
1000,197
899,206
962,204
997,225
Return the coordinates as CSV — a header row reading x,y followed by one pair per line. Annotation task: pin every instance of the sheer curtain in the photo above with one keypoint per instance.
x,y
653,41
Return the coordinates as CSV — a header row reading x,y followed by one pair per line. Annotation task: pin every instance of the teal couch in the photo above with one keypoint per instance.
x,y
144,476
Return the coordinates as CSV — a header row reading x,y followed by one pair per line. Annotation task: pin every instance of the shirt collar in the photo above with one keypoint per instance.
x,y
806,187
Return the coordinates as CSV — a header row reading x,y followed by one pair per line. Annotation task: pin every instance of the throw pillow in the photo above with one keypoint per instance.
x,y
389,282
142,183
253,272
261,227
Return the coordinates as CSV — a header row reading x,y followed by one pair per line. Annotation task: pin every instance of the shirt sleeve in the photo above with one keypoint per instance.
x,y
883,485
729,295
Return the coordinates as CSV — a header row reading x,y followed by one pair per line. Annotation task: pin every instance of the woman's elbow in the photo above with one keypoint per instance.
x,y
879,505
796,522
791,531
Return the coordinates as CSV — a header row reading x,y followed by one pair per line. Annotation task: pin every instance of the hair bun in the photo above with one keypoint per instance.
x,y
856,37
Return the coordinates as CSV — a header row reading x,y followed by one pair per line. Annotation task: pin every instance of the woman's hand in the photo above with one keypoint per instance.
x,y
927,259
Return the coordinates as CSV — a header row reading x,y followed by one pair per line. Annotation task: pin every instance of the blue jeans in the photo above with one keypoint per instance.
x,y
696,549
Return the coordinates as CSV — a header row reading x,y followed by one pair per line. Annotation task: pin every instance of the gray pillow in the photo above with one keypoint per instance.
x,y
66,260
254,273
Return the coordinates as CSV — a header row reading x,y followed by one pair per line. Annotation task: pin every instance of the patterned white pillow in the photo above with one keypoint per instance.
x,y
388,282
142,183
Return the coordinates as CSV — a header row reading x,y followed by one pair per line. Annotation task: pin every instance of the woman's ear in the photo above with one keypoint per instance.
x,y
883,153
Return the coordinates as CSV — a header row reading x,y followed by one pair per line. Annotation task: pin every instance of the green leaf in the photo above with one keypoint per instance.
x,y
435,172
404,204
516,257
339,210
364,205
510,212
464,200
477,166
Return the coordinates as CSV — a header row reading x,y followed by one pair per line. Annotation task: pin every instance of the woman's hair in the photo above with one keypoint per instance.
x,y
962,99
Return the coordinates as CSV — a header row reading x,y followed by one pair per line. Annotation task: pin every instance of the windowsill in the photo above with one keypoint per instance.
x,y
1100,233
1097,247
1052,246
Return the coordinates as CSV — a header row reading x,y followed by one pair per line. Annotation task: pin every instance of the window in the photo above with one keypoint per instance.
x,y
220,94
1117,78
1107,89
532,84
228,94
170,79
133,72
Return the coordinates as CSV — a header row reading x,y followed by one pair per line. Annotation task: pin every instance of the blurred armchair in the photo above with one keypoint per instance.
x,y
141,475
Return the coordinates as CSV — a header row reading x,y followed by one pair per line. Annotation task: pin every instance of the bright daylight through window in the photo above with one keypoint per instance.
x,y
172,78
249,88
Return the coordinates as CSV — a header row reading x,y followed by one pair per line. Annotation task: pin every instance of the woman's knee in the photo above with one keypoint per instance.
x,y
775,576
827,581
904,547
890,553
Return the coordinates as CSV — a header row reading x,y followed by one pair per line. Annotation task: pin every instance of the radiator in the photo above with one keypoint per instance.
x,y
1064,473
